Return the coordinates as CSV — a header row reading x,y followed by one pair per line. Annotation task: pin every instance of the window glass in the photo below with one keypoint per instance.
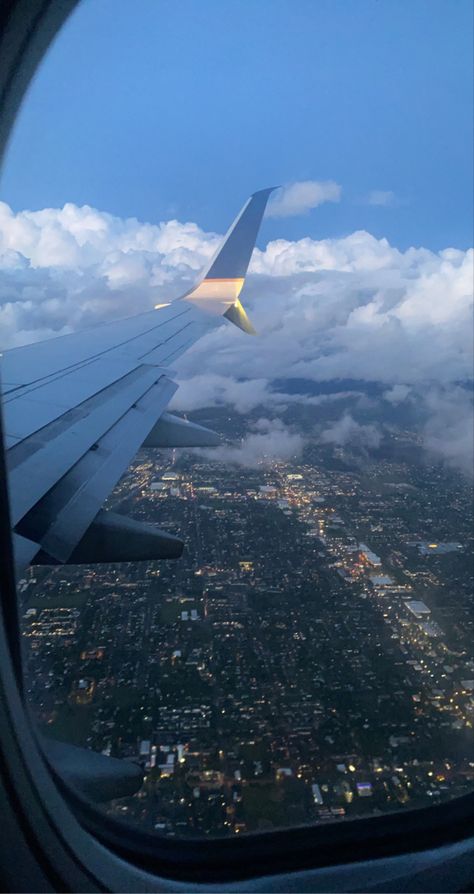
x,y
309,658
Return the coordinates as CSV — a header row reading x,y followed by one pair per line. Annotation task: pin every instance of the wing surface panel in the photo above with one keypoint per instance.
x,y
28,412
31,363
61,394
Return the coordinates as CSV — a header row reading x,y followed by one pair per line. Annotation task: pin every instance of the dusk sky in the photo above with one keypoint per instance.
x,y
179,108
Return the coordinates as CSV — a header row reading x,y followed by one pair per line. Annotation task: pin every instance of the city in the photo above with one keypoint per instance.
x,y
308,659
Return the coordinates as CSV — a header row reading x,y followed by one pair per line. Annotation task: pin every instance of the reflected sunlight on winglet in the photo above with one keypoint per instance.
x,y
219,289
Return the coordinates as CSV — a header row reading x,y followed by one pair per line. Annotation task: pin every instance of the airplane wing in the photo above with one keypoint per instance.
x,y
78,407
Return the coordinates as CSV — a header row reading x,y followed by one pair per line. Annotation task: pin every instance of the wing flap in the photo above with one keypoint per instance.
x,y
115,538
56,451
60,519
172,431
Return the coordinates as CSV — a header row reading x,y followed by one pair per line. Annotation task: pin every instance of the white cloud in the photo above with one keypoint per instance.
x,y
244,395
449,432
210,389
347,308
93,265
383,197
346,431
397,394
302,196
271,441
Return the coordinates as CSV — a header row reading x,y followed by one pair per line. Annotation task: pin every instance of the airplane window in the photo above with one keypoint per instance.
x,y
244,552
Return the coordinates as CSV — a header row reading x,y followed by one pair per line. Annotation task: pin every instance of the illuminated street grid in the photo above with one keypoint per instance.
x,y
309,658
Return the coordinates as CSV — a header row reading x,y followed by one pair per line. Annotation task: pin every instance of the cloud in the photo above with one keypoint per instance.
x,y
271,441
302,196
244,395
449,431
346,431
382,197
62,269
210,389
349,308
397,394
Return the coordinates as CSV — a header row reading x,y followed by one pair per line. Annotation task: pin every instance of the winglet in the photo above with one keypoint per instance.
x,y
219,289
237,315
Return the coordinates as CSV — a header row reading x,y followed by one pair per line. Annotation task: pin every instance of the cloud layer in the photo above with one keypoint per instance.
x,y
348,308
64,269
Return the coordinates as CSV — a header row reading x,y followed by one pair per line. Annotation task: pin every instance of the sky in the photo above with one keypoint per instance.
x,y
145,131
180,108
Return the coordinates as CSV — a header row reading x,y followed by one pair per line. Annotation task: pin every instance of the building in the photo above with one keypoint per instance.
x,y
417,608
369,557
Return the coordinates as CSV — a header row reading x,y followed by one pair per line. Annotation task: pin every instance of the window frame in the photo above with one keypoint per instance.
x,y
67,843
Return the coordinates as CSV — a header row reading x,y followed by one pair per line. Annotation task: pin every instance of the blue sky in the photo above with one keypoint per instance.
x,y
180,108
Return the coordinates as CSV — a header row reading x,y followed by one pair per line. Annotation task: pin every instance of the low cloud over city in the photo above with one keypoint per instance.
x,y
268,441
352,308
